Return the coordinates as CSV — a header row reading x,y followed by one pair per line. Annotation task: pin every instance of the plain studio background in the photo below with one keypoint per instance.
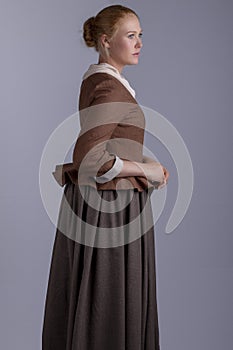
x,y
184,73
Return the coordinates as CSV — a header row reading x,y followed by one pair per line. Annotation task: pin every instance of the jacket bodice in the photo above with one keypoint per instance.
x,y
112,123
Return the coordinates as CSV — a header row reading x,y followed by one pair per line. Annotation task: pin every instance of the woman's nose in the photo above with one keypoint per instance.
x,y
139,43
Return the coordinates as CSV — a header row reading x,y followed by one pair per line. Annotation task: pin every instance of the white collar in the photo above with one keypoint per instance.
x,y
108,68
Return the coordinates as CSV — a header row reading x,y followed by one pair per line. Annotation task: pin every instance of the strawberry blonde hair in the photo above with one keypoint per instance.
x,y
105,22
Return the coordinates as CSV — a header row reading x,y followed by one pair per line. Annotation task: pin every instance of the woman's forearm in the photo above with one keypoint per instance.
x,y
131,168
152,170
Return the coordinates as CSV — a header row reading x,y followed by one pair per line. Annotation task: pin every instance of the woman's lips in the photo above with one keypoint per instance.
x,y
136,54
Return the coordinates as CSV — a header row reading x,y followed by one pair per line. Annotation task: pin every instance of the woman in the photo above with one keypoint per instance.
x,y
102,287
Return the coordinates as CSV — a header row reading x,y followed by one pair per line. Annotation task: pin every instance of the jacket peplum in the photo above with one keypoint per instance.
x,y
111,124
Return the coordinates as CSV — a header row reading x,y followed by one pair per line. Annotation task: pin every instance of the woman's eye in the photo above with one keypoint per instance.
x,y
132,35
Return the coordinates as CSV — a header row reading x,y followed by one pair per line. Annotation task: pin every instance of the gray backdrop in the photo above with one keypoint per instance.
x,y
184,73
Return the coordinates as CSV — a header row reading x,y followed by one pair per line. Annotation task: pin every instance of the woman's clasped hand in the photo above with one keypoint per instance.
x,y
155,172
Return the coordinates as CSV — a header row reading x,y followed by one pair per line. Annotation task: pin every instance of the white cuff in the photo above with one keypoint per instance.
x,y
111,173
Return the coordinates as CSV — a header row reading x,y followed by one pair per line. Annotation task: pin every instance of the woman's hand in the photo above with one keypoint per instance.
x,y
149,168
153,171
166,176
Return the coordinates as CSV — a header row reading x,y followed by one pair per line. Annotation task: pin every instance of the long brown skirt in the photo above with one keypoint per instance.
x,y
102,292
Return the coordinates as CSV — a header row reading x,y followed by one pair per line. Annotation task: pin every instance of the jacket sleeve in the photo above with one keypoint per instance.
x,y
98,122
113,172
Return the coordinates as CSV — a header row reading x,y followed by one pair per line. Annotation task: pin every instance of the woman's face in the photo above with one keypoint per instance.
x,y
126,44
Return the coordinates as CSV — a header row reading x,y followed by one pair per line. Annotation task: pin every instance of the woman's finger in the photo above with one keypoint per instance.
x,y
166,173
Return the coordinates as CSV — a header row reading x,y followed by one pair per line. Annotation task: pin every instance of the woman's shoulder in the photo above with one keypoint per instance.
x,y
103,88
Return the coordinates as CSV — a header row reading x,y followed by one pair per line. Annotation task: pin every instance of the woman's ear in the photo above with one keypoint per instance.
x,y
104,41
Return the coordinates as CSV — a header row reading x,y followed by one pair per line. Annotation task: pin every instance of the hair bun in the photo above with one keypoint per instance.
x,y
88,31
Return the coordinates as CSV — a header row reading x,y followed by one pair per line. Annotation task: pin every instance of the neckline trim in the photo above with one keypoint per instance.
x,y
108,68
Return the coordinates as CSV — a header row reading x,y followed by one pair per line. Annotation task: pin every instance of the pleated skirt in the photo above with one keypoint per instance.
x,y
101,292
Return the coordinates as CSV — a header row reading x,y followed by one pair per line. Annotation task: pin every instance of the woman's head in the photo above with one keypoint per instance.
x,y
115,33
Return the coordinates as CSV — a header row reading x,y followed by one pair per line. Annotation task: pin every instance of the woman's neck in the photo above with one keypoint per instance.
x,y
112,63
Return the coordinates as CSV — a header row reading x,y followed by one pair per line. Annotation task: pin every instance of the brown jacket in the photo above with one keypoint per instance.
x,y
111,123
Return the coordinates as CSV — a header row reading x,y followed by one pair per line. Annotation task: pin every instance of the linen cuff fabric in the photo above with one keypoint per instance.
x,y
111,173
